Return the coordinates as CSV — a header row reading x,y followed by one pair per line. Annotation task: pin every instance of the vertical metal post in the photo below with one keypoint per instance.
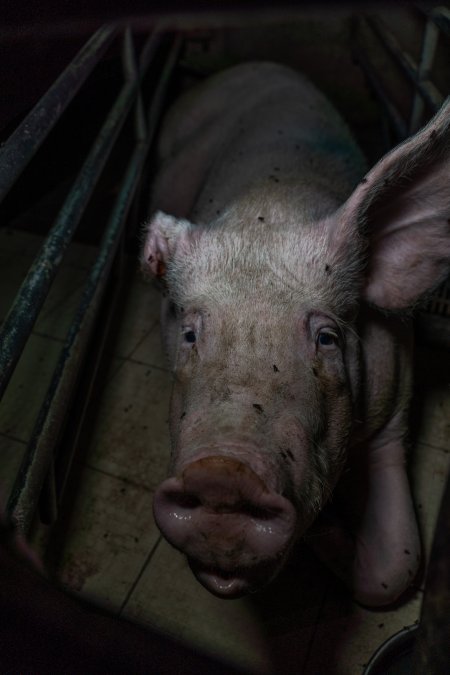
x,y
131,72
430,41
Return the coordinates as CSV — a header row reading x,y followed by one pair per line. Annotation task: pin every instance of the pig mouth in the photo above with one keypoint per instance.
x,y
235,583
235,531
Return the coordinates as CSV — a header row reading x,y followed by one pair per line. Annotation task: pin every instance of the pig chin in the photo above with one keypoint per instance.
x,y
234,529
238,582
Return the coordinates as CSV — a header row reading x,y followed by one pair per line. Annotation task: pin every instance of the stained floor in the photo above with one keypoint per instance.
x,y
107,547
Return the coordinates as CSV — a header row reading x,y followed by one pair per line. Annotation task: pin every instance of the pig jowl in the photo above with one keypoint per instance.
x,y
287,275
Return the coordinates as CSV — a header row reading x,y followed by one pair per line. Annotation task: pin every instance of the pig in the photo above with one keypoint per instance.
x,y
289,274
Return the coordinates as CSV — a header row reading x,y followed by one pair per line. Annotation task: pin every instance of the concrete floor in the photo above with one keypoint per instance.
x,y
108,548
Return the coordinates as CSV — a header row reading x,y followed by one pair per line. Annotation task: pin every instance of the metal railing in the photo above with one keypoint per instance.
x,y
37,470
425,101
35,482
426,94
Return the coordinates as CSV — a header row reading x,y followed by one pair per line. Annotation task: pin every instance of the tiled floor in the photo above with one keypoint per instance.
x,y
108,548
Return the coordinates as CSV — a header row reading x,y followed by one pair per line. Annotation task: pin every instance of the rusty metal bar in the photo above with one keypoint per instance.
x,y
22,315
47,432
155,112
22,145
30,298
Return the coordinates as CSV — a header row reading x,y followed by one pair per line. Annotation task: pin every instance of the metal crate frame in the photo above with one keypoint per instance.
x,y
434,320
36,484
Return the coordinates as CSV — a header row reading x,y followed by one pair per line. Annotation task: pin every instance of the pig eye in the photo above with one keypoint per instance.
x,y
327,338
190,336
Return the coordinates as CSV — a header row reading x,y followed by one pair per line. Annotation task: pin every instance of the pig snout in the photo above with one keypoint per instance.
x,y
234,530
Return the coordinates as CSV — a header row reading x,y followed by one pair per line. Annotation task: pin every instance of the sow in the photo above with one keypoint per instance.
x,y
289,272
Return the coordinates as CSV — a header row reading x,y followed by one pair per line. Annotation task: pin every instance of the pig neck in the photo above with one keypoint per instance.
x,y
298,199
318,173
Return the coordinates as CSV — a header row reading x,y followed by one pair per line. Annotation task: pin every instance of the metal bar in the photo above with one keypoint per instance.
x,y
390,109
441,17
21,146
47,432
415,74
131,72
157,101
48,426
161,89
155,110
430,40
94,360
23,313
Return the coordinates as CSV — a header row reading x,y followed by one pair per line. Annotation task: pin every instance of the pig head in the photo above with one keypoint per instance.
x,y
279,323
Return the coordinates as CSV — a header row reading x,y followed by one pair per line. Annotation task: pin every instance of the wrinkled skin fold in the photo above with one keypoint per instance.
x,y
288,273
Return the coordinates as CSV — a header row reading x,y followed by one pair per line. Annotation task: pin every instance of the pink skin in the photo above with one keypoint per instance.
x,y
289,379
230,506
221,513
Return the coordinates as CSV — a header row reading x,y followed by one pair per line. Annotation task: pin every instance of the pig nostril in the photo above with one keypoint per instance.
x,y
255,511
185,500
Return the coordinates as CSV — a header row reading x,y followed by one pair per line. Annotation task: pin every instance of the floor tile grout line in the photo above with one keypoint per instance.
x,y
122,479
139,576
47,336
143,338
47,313
9,437
136,362
4,434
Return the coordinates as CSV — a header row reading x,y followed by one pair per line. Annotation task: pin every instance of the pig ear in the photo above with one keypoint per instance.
x,y
162,236
402,207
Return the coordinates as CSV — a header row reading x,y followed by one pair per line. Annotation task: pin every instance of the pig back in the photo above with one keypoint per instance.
x,y
255,125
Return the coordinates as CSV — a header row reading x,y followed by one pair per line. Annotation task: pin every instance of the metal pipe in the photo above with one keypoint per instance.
x,y
47,432
24,311
441,17
22,145
430,40
426,89
131,72
155,110
161,89
391,111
